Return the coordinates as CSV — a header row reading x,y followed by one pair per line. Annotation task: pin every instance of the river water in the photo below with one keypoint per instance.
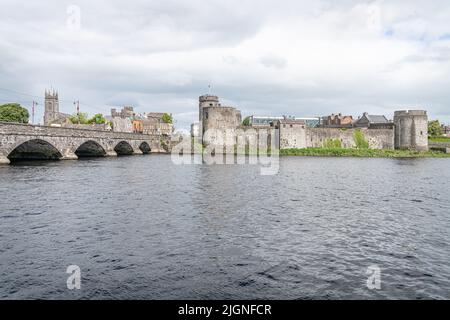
x,y
141,227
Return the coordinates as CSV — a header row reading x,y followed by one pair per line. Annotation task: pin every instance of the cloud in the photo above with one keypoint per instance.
x,y
273,61
296,57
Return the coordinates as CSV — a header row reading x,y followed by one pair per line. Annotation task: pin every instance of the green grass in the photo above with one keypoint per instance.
x,y
439,139
367,153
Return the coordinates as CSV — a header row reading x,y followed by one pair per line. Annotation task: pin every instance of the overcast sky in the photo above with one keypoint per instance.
x,y
302,58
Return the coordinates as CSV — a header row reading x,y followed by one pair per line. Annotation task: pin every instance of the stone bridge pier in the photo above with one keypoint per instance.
x,y
22,141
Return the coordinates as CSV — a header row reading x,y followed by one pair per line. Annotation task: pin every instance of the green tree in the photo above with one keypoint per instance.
x,y
97,119
360,140
167,118
79,118
13,112
435,129
246,122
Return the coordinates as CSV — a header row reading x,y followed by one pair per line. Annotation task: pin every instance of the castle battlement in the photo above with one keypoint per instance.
x,y
409,113
207,98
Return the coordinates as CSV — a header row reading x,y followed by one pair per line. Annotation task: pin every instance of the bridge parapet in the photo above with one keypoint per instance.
x,y
69,143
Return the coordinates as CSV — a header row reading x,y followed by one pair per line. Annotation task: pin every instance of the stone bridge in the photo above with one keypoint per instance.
x,y
24,141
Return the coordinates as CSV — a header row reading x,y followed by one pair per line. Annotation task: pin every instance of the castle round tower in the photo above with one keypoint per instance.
x,y
411,130
206,101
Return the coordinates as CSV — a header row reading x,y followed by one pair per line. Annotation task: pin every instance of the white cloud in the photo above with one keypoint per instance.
x,y
267,57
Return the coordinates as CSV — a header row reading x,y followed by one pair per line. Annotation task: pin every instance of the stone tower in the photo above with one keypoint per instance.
x,y
411,130
51,112
206,101
203,102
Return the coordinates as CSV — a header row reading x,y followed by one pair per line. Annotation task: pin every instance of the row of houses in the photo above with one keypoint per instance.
x,y
347,121
331,121
126,120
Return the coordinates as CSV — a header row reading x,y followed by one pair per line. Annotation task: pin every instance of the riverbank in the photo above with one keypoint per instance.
x,y
363,153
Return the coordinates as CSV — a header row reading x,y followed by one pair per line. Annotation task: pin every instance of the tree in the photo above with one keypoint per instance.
x,y
79,118
246,122
435,129
97,119
167,118
13,112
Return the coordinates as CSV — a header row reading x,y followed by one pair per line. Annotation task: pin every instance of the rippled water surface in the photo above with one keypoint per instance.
x,y
142,227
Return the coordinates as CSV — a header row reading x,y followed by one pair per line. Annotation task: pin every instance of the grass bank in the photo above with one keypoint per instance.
x,y
439,139
365,153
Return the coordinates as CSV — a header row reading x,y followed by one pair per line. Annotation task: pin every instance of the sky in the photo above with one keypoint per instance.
x,y
293,57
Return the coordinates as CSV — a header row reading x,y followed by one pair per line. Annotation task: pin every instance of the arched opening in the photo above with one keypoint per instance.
x,y
34,150
123,148
145,148
90,149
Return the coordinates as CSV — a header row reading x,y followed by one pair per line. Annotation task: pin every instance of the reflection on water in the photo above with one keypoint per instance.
x,y
141,227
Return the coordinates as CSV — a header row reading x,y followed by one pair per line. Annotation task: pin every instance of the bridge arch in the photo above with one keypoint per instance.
x,y
123,148
90,148
34,149
145,148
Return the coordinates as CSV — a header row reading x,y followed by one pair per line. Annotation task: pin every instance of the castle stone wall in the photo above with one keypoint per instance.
x,y
299,136
217,120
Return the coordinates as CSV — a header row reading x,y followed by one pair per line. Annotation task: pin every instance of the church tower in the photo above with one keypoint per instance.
x,y
51,107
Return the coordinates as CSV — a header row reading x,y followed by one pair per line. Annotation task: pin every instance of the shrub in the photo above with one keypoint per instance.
x,y
360,140
97,119
434,129
332,144
246,122
79,118
167,118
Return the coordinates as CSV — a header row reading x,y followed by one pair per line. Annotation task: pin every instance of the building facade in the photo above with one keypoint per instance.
x,y
337,121
373,121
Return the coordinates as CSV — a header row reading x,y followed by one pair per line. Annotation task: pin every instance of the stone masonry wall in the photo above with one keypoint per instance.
x,y
304,137
67,140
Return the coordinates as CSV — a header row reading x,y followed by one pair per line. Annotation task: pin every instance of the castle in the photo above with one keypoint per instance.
x,y
409,129
212,115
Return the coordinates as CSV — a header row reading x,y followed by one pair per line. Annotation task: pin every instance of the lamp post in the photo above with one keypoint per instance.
x,y
77,103
33,111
